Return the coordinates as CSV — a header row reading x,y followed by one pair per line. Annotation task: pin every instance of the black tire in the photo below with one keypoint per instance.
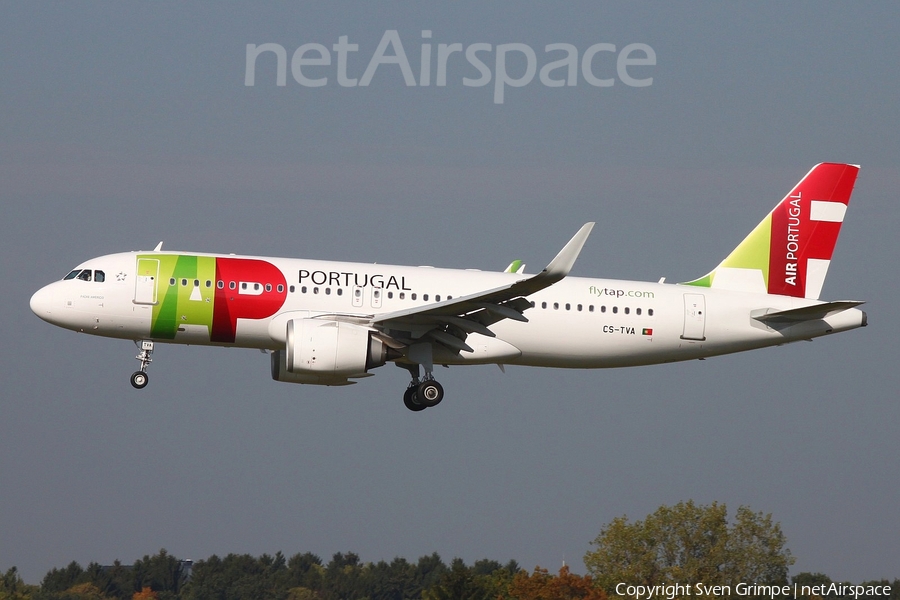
x,y
139,380
430,393
410,400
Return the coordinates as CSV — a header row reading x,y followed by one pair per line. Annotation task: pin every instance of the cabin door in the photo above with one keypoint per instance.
x,y
694,317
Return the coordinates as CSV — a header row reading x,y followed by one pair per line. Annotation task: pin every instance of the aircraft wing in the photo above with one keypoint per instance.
x,y
449,321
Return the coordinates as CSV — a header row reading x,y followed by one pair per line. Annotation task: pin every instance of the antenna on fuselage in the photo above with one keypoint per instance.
x,y
158,247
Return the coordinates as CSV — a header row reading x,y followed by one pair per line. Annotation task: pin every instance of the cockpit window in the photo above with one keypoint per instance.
x,y
86,275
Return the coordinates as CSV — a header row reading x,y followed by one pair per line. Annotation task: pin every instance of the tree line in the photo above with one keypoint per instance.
x,y
300,577
685,543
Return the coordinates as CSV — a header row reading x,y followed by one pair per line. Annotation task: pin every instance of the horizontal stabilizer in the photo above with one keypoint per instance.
x,y
808,313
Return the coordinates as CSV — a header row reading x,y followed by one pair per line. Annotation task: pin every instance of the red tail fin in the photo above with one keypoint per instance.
x,y
805,228
788,253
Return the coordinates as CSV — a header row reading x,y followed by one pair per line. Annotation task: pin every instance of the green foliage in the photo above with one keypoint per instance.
x,y
690,543
458,583
13,588
239,577
57,581
162,573
115,581
685,542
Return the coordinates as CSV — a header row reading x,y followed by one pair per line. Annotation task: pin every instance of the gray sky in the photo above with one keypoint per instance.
x,y
126,124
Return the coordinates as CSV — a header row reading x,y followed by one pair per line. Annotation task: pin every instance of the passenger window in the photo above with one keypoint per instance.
x,y
603,308
390,295
220,284
208,283
591,308
568,306
437,298
637,311
402,295
281,288
579,308
627,310
543,305
556,306
340,291
268,287
615,310
413,296
425,297
231,285
327,291
292,289
650,312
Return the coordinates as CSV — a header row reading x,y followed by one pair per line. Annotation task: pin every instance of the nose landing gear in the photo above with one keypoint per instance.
x,y
139,379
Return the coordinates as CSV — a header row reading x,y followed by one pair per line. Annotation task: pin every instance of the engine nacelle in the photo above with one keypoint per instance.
x,y
326,352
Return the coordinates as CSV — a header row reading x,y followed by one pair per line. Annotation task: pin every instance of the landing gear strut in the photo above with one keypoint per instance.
x,y
139,379
423,394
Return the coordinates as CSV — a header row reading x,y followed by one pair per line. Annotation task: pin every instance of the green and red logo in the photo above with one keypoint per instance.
x,y
789,252
209,292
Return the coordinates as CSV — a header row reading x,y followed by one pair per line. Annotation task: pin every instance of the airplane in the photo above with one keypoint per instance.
x,y
331,323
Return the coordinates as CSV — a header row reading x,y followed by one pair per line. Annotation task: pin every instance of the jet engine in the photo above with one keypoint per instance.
x,y
327,352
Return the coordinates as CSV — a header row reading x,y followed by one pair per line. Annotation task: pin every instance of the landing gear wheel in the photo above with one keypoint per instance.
x,y
139,380
410,400
430,393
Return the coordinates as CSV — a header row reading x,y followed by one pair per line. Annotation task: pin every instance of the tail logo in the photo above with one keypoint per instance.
x,y
789,252
793,241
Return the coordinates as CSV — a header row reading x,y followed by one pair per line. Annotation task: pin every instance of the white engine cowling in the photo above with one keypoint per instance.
x,y
326,352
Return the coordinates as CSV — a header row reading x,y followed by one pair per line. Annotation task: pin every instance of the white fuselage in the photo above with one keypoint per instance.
x,y
577,322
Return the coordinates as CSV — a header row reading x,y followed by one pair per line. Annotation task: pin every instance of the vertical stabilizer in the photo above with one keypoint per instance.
x,y
789,252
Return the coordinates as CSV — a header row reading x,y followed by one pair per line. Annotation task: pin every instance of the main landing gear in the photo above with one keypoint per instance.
x,y
139,379
420,395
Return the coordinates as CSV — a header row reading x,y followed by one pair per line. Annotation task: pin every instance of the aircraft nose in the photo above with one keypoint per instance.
x,y
42,303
